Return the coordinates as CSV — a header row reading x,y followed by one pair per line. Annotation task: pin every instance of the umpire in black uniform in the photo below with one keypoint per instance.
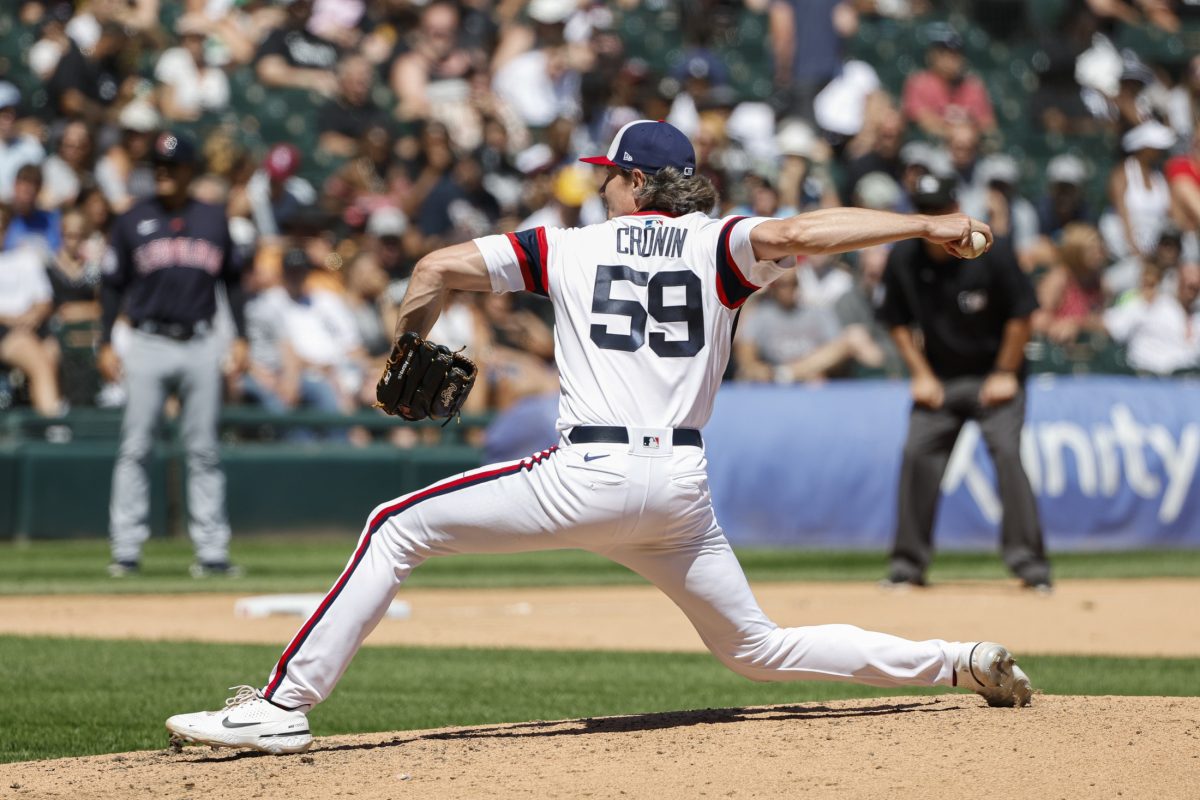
x,y
974,319
166,257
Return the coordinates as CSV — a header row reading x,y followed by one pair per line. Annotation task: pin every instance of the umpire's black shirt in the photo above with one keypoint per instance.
x,y
961,305
166,265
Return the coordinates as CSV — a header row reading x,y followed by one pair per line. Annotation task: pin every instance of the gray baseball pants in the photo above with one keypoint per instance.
x,y
931,437
154,366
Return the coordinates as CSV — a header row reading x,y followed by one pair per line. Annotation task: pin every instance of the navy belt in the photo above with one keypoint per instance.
x,y
612,434
179,331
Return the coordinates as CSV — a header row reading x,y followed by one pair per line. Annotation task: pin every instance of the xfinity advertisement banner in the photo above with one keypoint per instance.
x,y
1112,460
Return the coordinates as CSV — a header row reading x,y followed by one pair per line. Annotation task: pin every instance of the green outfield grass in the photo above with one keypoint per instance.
x,y
66,697
291,564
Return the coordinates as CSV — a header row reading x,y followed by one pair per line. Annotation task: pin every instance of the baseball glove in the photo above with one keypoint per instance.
x,y
423,379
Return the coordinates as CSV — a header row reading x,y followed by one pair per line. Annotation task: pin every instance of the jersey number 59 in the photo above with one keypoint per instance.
x,y
691,312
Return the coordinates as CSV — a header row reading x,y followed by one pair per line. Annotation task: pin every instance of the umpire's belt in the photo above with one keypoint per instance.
x,y
179,331
612,434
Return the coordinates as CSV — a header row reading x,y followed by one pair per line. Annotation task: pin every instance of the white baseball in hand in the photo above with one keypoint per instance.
x,y
978,245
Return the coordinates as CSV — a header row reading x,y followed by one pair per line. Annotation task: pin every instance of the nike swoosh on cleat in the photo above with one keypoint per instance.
x,y
589,457
225,723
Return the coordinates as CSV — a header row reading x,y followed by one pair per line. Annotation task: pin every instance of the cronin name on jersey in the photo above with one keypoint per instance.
x,y
651,240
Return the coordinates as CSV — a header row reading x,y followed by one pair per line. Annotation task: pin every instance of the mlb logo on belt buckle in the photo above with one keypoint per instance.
x,y
650,441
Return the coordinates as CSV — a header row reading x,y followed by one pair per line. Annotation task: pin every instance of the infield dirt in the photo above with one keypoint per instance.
x,y
950,746
1094,617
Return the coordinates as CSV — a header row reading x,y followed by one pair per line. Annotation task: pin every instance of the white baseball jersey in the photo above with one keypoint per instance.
x,y
644,306
644,310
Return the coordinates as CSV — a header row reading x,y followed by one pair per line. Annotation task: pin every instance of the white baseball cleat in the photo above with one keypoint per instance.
x,y
248,722
990,671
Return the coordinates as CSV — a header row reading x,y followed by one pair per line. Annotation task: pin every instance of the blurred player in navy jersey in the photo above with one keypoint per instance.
x,y
166,257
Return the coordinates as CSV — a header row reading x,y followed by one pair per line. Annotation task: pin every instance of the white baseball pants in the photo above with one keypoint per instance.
x,y
650,512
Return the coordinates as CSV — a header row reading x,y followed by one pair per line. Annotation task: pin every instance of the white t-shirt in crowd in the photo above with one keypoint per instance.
x,y
23,281
822,289
320,329
1160,336
841,106
15,154
196,89
60,184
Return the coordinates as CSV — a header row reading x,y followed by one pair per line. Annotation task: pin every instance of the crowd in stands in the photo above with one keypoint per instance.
x,y
349,138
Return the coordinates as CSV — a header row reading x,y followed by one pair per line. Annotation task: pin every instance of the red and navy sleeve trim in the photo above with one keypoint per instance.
x,y
532,253
732,286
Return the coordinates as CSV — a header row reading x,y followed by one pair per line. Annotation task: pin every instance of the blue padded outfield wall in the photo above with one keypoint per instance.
x,y
1112,460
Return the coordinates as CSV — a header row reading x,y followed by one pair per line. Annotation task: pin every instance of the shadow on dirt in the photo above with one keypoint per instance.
x,y
629,724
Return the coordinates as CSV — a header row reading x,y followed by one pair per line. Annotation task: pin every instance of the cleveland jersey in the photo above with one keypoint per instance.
x,y
644,307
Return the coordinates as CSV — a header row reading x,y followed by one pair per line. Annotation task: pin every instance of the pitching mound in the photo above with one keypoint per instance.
x,y
930,747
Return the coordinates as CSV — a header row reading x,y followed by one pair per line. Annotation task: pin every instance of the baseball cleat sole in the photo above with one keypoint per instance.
x,y
275,744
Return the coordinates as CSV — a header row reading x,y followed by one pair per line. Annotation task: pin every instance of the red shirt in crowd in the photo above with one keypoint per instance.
x,y
927,91
1183,167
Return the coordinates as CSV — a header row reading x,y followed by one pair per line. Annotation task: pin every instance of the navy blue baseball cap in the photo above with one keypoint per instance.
x,y
649,146
171,148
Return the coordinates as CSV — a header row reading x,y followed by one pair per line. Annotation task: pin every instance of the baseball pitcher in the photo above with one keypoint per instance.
x,y
645,305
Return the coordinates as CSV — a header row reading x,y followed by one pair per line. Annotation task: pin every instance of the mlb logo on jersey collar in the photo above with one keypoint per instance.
x,y
650,441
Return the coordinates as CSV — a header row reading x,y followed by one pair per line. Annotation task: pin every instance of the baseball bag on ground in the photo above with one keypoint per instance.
x,y
424,380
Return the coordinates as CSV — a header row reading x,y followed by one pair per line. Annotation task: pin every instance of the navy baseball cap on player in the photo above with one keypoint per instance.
x,y
649,146
171,148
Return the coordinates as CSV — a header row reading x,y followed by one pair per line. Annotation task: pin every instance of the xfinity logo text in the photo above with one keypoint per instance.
x,y
1104,456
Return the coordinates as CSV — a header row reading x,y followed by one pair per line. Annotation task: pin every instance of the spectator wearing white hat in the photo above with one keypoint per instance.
x,y
190,85
16,149
802,182
998,202
878,191
1138,192
391,241
1064,201
917,160
123,173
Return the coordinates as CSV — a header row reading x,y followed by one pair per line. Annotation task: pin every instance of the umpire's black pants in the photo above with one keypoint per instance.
x,y
931,437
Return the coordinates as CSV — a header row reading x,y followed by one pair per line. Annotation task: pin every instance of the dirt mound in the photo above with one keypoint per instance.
x,y
931,747
1129,618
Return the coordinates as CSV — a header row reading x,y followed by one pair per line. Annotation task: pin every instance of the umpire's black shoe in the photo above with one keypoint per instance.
x,y
1039,584
903,574
902,580
123,569
215,569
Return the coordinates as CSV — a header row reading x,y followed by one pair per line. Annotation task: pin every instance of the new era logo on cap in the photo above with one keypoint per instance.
x,y
649,146
172,149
